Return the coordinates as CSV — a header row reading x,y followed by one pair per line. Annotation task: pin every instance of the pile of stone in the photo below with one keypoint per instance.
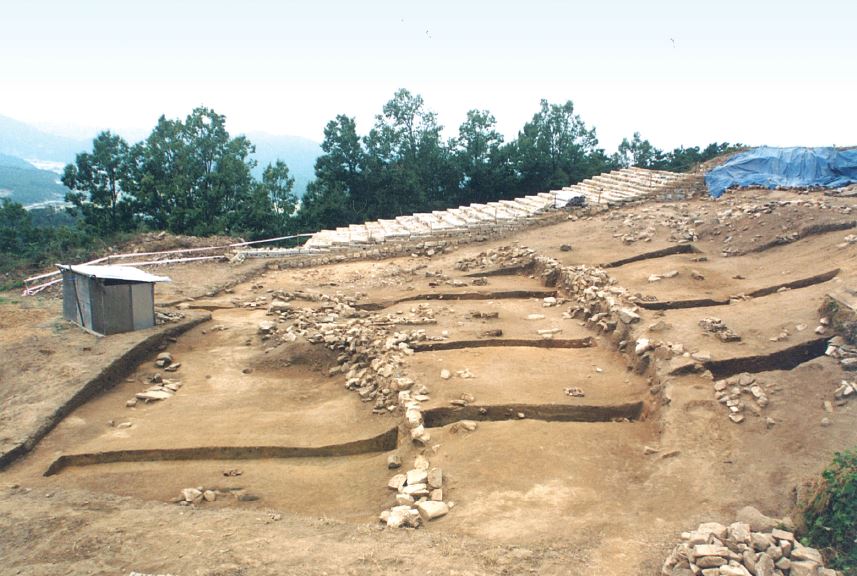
x,y
641,225
743,548
166,361
419,495
161,389
431,248
717,327
839,349
164,316
371,350
420,315
502,257
413,414
195,496
743,392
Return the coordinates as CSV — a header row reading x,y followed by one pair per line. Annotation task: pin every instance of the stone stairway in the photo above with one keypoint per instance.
x,y
600,192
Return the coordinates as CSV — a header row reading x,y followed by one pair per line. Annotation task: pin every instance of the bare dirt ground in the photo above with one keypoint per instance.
x,y
532,494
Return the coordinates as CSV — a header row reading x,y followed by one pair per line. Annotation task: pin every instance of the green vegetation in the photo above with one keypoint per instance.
x,y
191,177
830,515
639,152
24,245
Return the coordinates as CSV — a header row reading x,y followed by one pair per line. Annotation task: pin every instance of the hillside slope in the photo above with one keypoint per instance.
x,y
22,182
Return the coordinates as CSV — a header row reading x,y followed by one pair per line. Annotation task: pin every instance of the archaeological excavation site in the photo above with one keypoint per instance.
x,y
623,377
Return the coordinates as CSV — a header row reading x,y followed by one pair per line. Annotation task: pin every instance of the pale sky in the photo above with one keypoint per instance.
x,y
680,72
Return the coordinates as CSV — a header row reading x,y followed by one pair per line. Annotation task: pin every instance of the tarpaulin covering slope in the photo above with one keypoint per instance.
x,y
767,167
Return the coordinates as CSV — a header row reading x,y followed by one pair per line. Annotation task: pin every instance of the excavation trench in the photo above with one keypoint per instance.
x,y
519,270
780,360
678,249
767,291
587,342
381,443
507,294
437,417
803,233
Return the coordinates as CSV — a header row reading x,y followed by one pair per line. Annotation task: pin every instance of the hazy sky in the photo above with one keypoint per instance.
x,y
680,72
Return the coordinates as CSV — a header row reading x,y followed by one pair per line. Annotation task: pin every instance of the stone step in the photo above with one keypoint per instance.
x,y
534,203
615,183
413,226
393,229
376,232
449,218
618,181
513,205
604,190
432,221
359,233
476,214
493,212
600,194
513,212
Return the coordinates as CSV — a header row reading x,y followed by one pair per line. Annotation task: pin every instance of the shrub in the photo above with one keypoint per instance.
x,y
830,514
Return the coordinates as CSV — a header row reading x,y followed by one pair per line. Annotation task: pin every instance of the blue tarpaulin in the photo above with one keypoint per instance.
x,y
767,167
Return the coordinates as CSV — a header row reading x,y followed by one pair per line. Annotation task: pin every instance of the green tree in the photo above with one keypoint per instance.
x,y
16,229
156,171
192,177
409,168
279,186
96,180
638,152
482,160
341,170
554,148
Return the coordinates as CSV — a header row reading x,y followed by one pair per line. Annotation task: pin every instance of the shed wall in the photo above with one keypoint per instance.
x,y
108,306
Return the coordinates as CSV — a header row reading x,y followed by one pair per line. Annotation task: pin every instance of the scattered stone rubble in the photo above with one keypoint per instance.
x,y
839,349
642,224
738,217
419,496
717,327
502,257
161,389
752,546
743,392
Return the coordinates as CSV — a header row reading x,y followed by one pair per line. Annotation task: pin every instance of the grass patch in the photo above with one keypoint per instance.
x,y
830,513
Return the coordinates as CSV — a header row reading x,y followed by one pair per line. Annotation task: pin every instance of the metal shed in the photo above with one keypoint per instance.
x,y
109,299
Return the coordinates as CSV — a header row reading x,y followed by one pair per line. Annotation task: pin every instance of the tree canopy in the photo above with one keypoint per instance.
x,y
190,176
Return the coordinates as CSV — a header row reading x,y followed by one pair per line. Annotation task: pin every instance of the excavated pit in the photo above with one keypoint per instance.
x,y
499,343
805,232
787,359
381,443
677,249
498,295
438,417
520,270
758,293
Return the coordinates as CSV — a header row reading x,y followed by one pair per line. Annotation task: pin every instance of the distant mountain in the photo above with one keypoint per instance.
x,y
22,182
23,141
14,162
298,153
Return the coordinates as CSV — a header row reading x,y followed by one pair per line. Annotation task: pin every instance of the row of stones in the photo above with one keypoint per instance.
x,y
371,355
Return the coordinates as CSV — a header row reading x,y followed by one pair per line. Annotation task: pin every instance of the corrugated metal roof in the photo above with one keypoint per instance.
x,y
116,273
